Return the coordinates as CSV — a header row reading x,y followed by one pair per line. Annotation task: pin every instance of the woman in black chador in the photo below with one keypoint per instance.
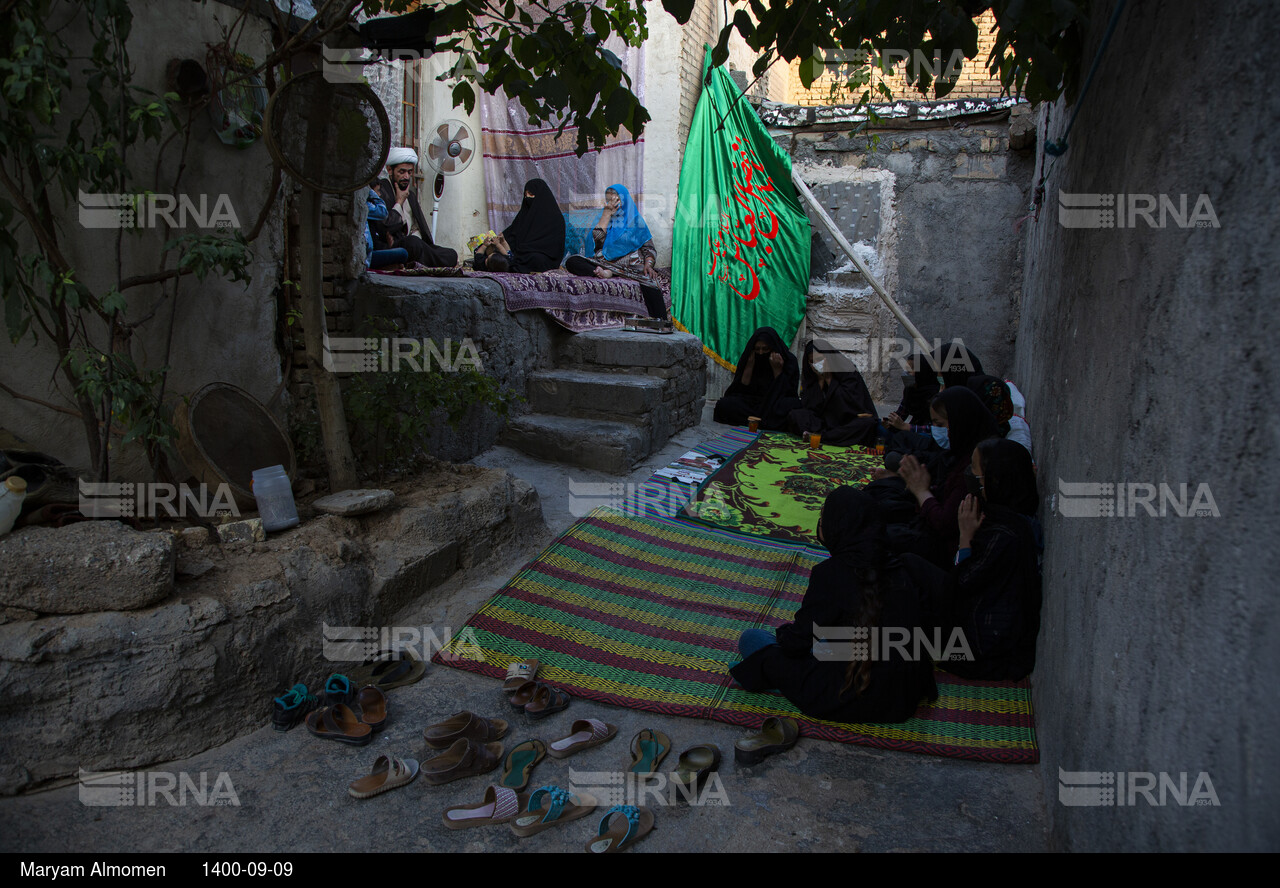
x,y
766,375
834,400
860,585
534,241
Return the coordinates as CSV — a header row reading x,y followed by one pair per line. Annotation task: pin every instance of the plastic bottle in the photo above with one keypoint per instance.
x,y
12,493
274,494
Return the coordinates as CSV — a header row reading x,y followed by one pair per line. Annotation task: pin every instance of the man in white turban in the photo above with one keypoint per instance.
x,y
405,226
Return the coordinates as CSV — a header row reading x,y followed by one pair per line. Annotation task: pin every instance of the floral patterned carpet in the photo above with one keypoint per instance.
x,y
777,485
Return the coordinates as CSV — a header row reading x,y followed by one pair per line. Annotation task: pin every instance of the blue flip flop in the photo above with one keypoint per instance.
x,y
648,749
620,828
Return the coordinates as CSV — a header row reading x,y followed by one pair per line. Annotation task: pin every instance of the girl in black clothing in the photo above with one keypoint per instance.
x,y
860,585
993,593
766,374
834,400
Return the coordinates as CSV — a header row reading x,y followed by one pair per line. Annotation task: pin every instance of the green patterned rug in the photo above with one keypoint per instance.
x,y
777,485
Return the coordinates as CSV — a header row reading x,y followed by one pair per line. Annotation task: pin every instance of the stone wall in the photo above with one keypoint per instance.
x,y
138,669
1145,357
510,346
949,193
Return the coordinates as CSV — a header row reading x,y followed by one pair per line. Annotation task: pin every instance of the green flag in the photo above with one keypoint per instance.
x,y
740,249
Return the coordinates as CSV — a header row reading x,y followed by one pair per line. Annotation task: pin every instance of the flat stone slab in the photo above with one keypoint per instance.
x,y
251,530
86,567
354,502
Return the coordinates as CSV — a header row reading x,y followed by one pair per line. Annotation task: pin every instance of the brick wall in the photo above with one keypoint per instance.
x,y
342,221
975,81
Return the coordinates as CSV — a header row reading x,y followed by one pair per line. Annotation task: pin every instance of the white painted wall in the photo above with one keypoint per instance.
x,y
462,208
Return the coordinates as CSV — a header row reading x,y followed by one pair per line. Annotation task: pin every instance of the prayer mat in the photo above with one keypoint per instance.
x,y
646,614
576,303
777,485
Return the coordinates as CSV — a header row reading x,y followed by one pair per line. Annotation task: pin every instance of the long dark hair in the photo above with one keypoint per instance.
x,y
1008,477
853,532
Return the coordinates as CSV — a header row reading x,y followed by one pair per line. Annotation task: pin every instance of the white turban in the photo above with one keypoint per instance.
x,y
401,155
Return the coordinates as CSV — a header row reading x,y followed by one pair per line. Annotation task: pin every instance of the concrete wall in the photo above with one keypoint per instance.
x,y
955,195
223,331
1146,358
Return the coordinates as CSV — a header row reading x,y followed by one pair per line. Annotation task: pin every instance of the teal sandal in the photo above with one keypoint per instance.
x,y
549,806
519,763
648,749
620,828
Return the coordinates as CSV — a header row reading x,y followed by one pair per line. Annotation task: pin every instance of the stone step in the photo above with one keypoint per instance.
x,y
622,397
590,443
655,354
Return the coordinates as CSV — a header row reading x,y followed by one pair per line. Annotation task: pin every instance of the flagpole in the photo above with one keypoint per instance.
x,y
925,348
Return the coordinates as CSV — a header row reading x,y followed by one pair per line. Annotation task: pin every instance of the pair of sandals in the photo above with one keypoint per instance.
x,y
538,700
529,814
620,828
471,744
339,722
693,766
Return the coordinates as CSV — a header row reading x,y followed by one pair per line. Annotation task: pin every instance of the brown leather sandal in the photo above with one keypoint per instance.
x,y
373,707
339,723
464,726
546,701
465,758
524,694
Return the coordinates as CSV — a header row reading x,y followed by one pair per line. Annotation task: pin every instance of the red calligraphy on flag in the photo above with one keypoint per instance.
x,y
745,226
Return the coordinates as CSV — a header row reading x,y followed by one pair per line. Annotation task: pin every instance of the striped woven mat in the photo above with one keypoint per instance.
x,y
645,613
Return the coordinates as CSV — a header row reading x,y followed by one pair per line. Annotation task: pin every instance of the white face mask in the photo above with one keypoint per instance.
x,y
940,436
818,365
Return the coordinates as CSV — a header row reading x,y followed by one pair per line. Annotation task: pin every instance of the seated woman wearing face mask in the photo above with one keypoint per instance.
x,y
860,585
959,421
992,594
834,400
